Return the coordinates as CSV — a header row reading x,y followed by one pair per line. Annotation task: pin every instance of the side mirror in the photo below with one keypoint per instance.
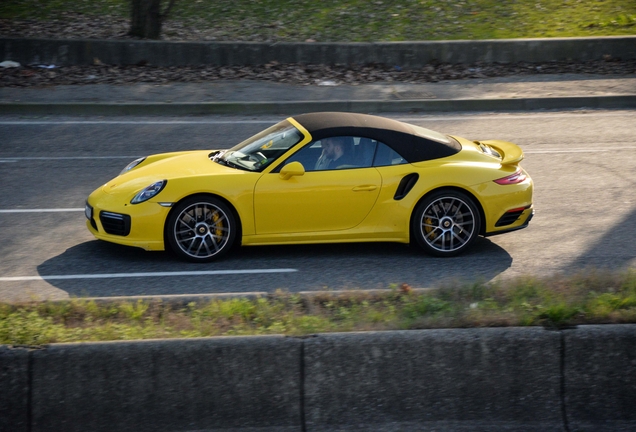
x,y
292,169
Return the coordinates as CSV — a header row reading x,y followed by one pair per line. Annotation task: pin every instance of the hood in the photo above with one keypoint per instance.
x,y
167,166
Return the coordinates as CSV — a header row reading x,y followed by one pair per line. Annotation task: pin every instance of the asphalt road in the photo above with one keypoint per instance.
x,y
583,165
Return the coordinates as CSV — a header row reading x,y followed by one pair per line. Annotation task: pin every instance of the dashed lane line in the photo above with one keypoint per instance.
x,y
468,116
58,210
48,158
600,149
145,274
581,150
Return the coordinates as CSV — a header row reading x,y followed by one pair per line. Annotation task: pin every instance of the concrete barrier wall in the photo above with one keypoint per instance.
x,y
512,379
14,389
600,378
174,385
403,54
473,380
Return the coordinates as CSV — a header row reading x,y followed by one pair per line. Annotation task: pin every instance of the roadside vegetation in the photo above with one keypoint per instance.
x,y
344,20
556,302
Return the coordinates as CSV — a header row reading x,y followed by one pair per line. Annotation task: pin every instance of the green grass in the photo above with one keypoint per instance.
x,y
367,20
593,297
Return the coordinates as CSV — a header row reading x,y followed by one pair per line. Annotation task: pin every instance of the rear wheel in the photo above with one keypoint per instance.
x,y
201,229
446,223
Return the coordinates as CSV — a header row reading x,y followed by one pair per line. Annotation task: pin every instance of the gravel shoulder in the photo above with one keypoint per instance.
x,y
300,74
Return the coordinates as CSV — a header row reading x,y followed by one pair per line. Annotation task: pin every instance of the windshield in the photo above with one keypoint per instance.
x,y
257,152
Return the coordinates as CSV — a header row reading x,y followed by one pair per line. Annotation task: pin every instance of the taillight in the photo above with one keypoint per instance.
x,y
515,178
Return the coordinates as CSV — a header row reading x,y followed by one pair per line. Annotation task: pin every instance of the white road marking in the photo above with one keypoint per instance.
x,y
580,150
145,274
133,122
77,157
57,210
576,150
424,117
509,116
47,158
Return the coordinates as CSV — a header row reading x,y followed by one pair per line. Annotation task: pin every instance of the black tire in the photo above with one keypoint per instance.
x,y
201,229
446,223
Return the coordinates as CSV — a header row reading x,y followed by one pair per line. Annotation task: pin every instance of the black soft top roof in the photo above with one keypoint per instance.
x,y
401,137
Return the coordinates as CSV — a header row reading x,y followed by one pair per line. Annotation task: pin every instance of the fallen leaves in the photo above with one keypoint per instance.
x,y
302,74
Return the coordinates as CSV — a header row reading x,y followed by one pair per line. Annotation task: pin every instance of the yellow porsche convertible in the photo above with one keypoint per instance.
x,y
318,178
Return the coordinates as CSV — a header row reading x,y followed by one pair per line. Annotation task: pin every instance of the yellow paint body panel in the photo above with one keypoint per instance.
x,y
349,205
511,153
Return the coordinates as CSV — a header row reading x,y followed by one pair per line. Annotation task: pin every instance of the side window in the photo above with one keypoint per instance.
x,y
340,152
308,155
365,150
385,156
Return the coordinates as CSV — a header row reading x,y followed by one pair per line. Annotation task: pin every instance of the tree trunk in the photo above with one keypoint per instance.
x,y
146,18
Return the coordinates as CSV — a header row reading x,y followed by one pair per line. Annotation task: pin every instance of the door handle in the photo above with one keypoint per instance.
x,y
365,188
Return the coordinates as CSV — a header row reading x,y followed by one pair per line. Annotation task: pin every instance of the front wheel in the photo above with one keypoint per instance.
x,y
446,223
201,229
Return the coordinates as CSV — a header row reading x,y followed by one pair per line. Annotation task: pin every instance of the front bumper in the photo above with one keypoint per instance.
x,y
139,225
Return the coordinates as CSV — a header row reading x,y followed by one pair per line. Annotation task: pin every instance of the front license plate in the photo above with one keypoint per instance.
x,y
88,211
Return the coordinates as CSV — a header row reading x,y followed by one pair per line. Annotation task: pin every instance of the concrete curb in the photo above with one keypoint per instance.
x,y
403,54
295,107
512,379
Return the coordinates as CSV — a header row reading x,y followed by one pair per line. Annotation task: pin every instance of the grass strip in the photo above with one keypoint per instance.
x,y
592,297
358,20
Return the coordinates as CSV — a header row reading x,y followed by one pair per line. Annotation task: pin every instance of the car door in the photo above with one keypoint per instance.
x,y
316,200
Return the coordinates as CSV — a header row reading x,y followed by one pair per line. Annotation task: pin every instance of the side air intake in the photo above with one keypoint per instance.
x,y
405,186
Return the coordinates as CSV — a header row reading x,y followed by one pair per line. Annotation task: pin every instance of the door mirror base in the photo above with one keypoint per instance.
x,y
292,169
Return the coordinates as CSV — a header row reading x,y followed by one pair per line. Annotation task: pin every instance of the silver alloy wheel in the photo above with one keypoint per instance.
x,y
202,230
447,224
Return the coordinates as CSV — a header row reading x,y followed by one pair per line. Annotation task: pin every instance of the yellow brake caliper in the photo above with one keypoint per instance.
x,y
428,228
217,225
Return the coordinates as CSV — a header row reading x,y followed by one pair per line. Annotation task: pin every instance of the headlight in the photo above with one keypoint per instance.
x,y
149,192
132,165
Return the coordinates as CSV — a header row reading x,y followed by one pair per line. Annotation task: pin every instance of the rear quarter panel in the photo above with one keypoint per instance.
x,y
469,171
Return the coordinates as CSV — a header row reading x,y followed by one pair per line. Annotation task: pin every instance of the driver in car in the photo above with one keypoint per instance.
x,y
335,153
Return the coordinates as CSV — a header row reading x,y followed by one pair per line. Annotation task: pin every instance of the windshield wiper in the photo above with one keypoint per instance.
x,y
235,165
217,155
218,158
220,161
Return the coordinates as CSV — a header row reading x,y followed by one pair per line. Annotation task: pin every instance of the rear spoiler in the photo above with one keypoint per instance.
x,y
511,154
